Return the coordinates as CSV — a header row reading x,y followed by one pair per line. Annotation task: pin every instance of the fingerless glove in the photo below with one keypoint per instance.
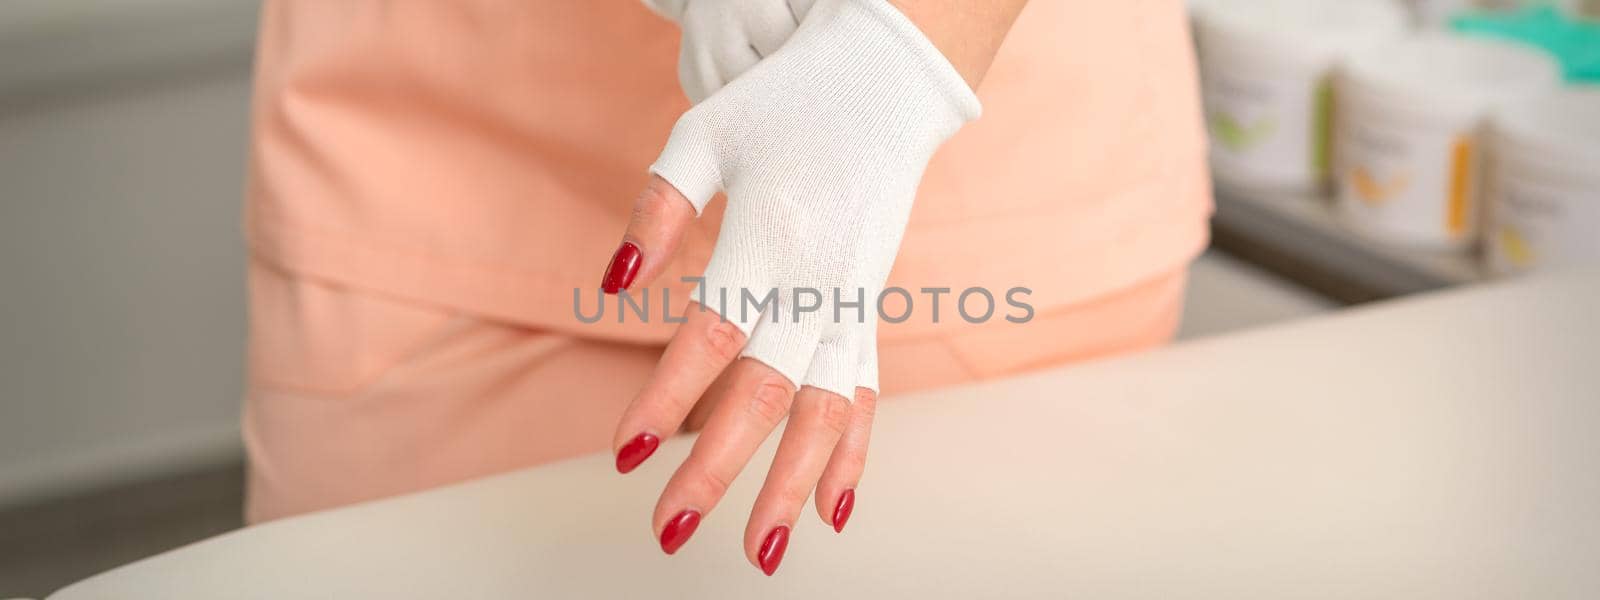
x,y
820,148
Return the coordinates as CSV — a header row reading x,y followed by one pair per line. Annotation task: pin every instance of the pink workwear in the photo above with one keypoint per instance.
x,y
475,161
356,396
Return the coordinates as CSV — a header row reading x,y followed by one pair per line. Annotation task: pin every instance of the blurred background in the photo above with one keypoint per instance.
x,y
1363,149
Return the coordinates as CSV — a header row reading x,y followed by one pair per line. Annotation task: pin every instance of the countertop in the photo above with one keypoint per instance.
x,y
1437,447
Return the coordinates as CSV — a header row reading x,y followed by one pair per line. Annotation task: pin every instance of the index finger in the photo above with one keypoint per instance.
x,y
702,348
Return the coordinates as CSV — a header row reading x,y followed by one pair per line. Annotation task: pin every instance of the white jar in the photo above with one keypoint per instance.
x,y
1436,14
1264,70
1543,184
1407,149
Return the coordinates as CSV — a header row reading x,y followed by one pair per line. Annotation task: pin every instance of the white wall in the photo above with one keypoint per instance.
x,y
121,260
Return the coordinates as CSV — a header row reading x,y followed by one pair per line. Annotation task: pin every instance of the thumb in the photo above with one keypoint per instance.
x,y
686,176
660,216
690,162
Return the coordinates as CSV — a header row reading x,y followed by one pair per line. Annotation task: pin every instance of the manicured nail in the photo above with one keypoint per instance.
x,y
635,451
678,530
624,267
841,511
772,550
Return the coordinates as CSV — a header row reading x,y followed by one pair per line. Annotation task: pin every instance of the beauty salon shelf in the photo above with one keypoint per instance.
x,y
1302,236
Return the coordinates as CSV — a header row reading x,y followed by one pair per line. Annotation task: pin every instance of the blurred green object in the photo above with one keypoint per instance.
x,y
1575,42
1239,136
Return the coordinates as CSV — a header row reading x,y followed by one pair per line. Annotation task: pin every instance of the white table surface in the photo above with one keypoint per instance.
x,y
1441,447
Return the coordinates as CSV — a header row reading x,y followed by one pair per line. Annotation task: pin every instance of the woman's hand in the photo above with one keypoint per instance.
x,y
820,148
824,445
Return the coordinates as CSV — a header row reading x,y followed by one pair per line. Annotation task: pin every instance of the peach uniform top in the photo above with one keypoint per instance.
x,y
483,155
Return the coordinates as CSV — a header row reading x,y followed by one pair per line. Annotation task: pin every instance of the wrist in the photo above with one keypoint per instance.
x,y
968,33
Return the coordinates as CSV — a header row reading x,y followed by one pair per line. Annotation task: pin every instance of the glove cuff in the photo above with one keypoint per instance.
x,y
902,31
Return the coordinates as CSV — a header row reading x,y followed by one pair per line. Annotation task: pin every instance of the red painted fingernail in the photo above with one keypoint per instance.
x,y
635,451
772,550
841,511
624,267
678,530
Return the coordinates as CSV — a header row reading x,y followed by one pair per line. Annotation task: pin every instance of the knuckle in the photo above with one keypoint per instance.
x,y
854,463
834,415
770,402
794,492
672,403
866,405
653,204
658,402
723,341
710,484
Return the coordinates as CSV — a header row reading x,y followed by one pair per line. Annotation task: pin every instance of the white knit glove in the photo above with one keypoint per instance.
x,y
820,148
724,38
